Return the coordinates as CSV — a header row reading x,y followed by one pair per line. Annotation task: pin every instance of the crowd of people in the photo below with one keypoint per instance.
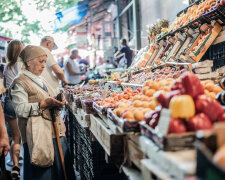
x,y
32,79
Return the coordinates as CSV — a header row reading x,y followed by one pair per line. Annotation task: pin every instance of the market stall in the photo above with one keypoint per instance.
x,y
163,117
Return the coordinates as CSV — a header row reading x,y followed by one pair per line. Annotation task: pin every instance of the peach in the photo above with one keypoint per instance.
x,y
145,104
120,96
153,104
139,115
144,98
212,95
150,92
128,115
137,103
147,110
145,89
126,96
120,111
209,87
154,85
148,82
137,97
122,105
217,89
162,83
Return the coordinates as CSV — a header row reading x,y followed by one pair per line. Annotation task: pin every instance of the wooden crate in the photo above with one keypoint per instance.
x,y
135,153
112,143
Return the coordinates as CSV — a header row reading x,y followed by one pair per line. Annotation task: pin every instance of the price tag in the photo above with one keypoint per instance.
x,y
105,91
82,84
164,122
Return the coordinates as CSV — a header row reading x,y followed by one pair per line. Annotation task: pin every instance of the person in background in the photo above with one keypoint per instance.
x,y
52,72
125,50
32,98
72,69
12,69
61,62
108,65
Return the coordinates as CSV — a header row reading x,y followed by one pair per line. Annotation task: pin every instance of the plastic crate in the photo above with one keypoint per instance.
x,y
217,54
217,14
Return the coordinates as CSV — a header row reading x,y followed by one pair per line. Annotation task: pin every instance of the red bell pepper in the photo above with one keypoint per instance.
x,y
192,85
209,106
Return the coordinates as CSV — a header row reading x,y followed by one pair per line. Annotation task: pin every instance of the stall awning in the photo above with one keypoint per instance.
x,y
72,15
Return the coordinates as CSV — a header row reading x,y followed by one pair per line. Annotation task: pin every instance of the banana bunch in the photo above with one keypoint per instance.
x,y
94,82
114,75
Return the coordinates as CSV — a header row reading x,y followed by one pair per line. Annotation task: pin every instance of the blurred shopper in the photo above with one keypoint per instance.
x,y
52,72
72,69
11,70
61,62
32,99
126,51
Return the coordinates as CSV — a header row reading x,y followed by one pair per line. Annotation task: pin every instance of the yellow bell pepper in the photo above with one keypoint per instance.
x,y
182,106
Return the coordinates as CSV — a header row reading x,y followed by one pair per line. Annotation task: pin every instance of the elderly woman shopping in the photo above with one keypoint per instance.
x,y
32,99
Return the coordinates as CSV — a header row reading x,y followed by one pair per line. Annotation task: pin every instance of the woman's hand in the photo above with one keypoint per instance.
x,y
4,143
51,102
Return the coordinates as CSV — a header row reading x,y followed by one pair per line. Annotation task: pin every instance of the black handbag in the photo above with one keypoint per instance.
x,y
4,174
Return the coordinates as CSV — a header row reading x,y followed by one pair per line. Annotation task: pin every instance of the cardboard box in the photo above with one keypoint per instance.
x,y
212,75
203,70
203,64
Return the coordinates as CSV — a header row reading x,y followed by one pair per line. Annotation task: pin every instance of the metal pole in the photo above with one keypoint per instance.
x,y
136,19
119,27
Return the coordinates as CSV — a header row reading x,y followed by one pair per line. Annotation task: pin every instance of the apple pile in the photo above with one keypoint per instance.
x,y
191,109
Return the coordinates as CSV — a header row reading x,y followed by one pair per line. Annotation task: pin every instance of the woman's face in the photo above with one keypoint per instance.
x,y
37,65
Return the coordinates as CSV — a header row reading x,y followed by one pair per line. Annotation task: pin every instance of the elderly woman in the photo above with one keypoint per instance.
x,y
32,99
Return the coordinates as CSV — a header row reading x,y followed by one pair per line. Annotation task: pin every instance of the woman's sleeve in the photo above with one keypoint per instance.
x,y
22,107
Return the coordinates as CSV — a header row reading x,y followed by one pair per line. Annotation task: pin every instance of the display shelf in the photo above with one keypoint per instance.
x,y
112,143
131,173
149,168
179,164
135,154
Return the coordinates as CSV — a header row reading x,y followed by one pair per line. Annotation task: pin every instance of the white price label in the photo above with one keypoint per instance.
x,y
164,122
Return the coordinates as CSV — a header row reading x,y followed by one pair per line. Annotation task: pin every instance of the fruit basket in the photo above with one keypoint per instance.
x,y
171,142
124,124
87,105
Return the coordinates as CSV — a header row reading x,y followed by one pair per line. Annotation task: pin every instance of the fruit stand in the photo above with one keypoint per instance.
x,y
164,118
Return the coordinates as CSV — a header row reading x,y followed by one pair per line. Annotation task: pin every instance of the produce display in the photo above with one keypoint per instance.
x,y
169,94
